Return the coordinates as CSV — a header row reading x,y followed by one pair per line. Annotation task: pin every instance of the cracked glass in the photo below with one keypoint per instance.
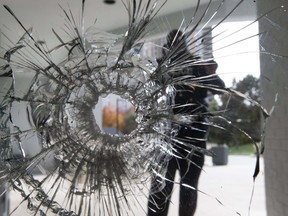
x,y
90,125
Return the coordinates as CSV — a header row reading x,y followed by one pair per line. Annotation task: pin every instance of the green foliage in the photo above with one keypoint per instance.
x,y
241,115
245,149
129,123
213,106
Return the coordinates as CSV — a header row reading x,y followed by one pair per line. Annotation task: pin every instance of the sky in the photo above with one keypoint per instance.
x,y
236,50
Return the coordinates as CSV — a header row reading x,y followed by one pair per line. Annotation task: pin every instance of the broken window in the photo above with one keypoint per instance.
x,y
56,154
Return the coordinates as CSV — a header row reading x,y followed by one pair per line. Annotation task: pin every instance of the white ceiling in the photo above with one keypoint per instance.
x,y
108,16
43,15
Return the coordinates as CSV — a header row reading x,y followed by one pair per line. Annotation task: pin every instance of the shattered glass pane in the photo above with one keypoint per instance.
x,y
65,150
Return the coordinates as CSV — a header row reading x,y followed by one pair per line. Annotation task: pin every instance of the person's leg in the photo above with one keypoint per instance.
x,y
159,198
190,174
190,169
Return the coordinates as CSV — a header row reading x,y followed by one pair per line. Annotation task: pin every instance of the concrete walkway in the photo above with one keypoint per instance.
x,y
227,191
232,185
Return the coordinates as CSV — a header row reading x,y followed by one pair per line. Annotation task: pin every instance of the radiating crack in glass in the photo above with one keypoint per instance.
x,y
93,170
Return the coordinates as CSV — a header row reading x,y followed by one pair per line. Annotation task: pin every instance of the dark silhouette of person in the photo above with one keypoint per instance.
x,y
190,101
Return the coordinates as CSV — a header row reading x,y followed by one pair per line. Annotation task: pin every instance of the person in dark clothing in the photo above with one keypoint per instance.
x,y
190,101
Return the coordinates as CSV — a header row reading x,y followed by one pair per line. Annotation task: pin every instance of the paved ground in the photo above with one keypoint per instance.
x,y
232,185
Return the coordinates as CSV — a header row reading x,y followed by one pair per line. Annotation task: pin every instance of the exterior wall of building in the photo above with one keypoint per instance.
x,y
274,77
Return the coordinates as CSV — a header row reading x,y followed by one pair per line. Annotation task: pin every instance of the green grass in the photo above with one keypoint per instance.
x,y
246,149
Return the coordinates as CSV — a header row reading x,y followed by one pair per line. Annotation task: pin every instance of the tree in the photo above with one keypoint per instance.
x,y
242,114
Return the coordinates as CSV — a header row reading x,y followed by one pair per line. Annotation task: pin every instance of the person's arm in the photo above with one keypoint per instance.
x,y
213,81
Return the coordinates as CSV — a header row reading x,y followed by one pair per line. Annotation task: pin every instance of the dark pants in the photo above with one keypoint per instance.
x,y
189,167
